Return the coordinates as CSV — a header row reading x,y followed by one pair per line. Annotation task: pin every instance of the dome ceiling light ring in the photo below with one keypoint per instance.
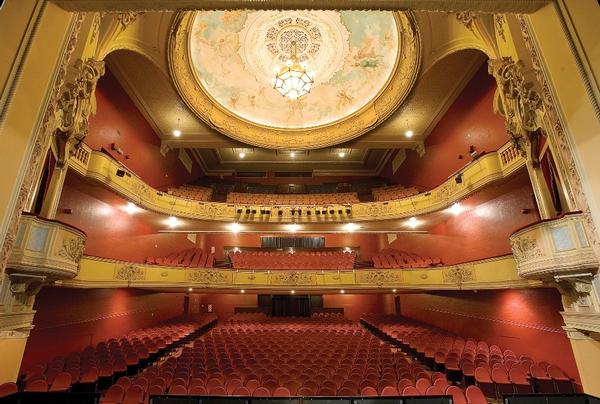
x,y
223,63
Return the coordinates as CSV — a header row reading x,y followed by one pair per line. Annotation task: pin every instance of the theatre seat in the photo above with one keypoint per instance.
x,y
6,389
475,396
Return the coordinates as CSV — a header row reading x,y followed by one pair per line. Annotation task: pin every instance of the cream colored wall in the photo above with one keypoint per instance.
x,y
11,352
23,115
587,356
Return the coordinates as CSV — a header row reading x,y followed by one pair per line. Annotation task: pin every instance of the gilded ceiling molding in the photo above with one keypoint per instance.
x,y
41,142
222,119
486,6
559,137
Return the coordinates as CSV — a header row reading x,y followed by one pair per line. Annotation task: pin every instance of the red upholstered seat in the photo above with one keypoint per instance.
x,y
458,397
411,391
37,386
113,395
261,392
61,383
6,389
368,392
474,395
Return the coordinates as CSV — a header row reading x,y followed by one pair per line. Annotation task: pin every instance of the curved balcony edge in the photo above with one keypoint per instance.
x,y
486,169
493,273
47,249
552,248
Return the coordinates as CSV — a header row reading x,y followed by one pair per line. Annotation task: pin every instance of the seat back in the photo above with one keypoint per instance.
x,y
475,395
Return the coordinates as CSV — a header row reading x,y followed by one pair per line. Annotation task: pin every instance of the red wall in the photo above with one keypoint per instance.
x,y
118,121
70,319
470,120
527,321
482,230
111,232
355,305
223,305
367,242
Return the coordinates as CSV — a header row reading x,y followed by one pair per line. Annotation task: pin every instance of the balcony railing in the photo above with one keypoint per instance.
x,y
554,247
485,170
46,248
491,273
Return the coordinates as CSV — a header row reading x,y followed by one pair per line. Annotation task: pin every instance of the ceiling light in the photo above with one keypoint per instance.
x,y
409,133
293,227
292,154
172,221
190,289
292,291
293,81
176,132
342,291
242,155
234,227
342,155
242,291
456,209
413,222
131,208
394,290
350,227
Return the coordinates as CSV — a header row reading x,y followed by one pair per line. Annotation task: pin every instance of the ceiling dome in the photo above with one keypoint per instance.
x,y
364,65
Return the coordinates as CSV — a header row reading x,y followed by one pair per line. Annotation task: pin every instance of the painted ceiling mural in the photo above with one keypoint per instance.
x,y
352,55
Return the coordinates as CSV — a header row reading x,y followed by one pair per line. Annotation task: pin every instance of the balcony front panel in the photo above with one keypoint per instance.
x,y
484,274
553,248
46,248
479,173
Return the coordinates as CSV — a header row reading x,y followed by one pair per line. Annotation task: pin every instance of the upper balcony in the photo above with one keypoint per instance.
x,y
486,169
554,248
46,249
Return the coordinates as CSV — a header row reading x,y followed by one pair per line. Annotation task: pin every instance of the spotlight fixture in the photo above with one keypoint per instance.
x,y
299,212
120,172
458,178
280,212
292,154
293,212
176,132
292,291
247,211
348,211
342,155
342,291
242,291
324,211
172,222
190,289
242,155
234,227
350,227
340,211
254,211
456,209
331,211
409,133
394,290
131,208
239,211
308,212
413,223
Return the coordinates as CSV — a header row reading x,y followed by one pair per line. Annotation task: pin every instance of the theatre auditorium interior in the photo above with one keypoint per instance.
x,y
299,201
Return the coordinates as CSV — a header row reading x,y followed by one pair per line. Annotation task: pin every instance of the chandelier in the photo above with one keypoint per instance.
x,y
293,81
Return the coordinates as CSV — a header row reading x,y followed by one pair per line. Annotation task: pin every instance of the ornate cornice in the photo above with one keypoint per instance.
x,y
220,118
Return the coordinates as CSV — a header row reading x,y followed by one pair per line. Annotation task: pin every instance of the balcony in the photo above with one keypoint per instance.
x,y
46,249
554,248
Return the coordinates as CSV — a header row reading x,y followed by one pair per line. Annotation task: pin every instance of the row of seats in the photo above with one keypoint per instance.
x,y
393,192
391,258
293,260
495,371
189,258
292,199
324,355
98,365
193,192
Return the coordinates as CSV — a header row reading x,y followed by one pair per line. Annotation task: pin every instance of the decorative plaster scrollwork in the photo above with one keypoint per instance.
x,y
458,275
130,273
127,18
381,277
72,249
525,249
520,104
293,278
206,276
467,18
74,108
499,23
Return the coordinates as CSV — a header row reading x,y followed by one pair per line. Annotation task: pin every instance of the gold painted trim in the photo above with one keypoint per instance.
x,y
219,118
493,273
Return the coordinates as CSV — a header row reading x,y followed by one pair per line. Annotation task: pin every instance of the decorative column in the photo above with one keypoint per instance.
x,y
73,109
522,107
